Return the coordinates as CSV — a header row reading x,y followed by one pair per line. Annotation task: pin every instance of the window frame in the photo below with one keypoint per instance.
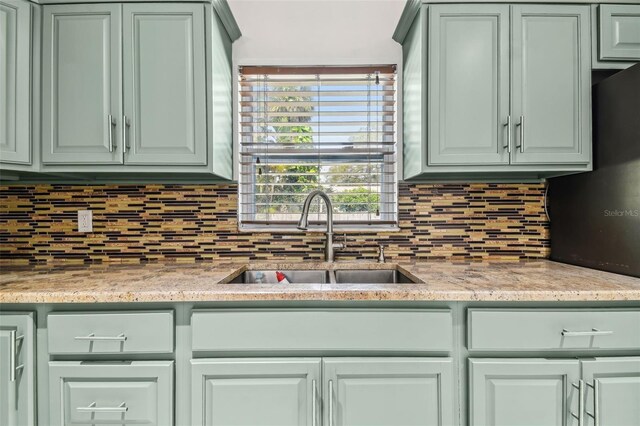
x,y
389,180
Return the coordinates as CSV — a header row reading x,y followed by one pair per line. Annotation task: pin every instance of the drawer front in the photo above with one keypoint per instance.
x,y
553,329
620,32
110,332
317,330
122,393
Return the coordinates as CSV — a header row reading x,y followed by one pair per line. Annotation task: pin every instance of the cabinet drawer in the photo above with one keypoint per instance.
x,y
317,330
110,332
619,30
553,329
111,393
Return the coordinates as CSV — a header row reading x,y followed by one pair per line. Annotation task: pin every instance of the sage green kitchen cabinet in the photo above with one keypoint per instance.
x,y
256,391
7,376
551,84
164,84
505,91
348,391
15,82
17,361
126,89
612,391
101,393
523,392
619,32
82,84
468,84
388,391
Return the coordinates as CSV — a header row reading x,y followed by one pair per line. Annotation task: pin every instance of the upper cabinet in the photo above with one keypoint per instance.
x,y
119,88
15,82
138,88
616,35
468,96
550,85
82,84
165,112
125,84
497,91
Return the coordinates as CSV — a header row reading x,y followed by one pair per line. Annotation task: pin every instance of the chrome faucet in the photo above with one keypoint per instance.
x,y
330,246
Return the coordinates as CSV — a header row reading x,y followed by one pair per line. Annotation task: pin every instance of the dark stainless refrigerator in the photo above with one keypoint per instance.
x,y
595,216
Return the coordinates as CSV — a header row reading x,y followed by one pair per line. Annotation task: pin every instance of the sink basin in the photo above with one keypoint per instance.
x,y
371,276
298,276
339,276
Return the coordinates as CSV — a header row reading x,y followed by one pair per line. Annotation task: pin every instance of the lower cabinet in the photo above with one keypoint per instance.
x,y
260,391
555,392
612,391
328,391
388,391
101,393
17,372
514,392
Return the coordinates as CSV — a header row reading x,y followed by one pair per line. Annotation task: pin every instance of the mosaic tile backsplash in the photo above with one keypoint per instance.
x,y
145,223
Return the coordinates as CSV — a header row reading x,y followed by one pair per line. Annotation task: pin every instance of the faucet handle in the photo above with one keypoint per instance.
x,y
341,245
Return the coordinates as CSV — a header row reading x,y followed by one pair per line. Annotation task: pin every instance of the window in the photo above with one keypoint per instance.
x,y
328,128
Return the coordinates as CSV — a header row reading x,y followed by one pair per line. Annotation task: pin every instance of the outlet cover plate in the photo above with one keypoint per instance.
x,y
85,221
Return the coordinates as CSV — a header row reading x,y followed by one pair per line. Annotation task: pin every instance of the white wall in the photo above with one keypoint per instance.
x,y
316,32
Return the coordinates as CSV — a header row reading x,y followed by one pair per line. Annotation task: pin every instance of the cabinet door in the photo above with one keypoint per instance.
x,y
15,50
551,86
122,393
468,89
523,392
8,413
613,391
388,391
619,32
82,91
17,379
164,84
256,391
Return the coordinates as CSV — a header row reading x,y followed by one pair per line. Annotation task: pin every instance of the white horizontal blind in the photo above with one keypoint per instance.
x,y
325,128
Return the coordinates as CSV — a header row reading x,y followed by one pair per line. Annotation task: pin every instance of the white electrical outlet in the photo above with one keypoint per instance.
x,y
85,221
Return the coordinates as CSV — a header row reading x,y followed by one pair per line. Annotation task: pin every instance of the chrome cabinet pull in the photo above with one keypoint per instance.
x,y
119,338
593,332
314,396
125,128
508,126
111,123
13,355
521,126
330,402
579,416
93,408
596,404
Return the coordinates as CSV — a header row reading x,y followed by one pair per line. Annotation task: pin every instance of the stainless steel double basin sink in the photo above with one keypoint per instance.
x,y
333,276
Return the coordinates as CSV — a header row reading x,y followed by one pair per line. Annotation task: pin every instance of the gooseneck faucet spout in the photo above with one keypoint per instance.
x,y
303,223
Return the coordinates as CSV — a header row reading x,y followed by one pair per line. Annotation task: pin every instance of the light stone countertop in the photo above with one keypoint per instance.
x,y
535,280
